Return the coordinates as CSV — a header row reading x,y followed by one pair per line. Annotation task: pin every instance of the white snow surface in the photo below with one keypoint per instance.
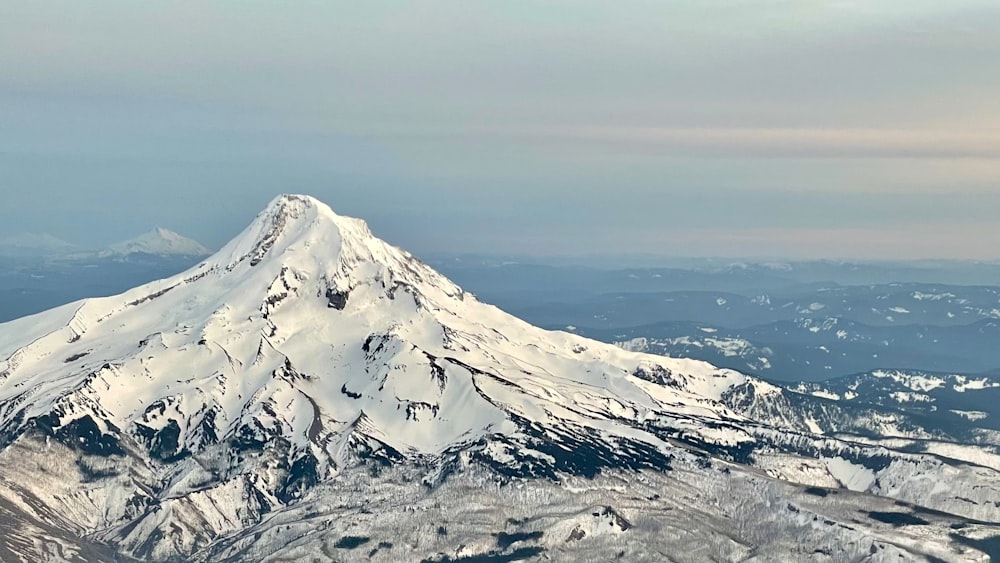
x,y
921,296
916,382
849,475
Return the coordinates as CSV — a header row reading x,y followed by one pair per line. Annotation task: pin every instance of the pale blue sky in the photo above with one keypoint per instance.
x,y
742,128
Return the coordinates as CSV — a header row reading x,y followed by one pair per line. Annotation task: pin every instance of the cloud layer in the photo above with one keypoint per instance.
x,y
589,125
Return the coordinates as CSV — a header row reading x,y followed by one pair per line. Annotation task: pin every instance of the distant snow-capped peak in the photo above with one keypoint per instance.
x,y
34,243
159,241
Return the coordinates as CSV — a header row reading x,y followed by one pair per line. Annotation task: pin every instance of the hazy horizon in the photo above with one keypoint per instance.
x,y
835,129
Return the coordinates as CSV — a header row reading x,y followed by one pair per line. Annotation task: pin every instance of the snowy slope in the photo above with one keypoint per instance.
x,y
403,341
159,241
173,418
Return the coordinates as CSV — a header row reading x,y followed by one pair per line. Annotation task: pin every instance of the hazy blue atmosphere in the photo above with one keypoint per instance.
x,y
763,128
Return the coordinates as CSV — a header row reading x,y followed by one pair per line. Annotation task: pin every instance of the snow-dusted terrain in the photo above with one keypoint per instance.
x,y
310,392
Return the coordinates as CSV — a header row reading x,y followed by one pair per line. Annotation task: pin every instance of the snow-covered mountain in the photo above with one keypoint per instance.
x,y
310,391
159,241
34,244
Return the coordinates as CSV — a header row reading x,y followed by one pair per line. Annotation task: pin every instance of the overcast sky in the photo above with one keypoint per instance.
x,y
798,128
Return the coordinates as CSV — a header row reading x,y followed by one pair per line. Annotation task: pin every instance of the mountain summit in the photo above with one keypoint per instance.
x,y
34,244
309,387
159,241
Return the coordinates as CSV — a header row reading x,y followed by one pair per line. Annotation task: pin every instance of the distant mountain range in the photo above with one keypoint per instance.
x,y
158,242
773,320
34,244
810,332
41,272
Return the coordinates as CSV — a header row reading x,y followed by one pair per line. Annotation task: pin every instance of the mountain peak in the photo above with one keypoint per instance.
x,y
159,241
289,209
302,234
33,244
304,212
